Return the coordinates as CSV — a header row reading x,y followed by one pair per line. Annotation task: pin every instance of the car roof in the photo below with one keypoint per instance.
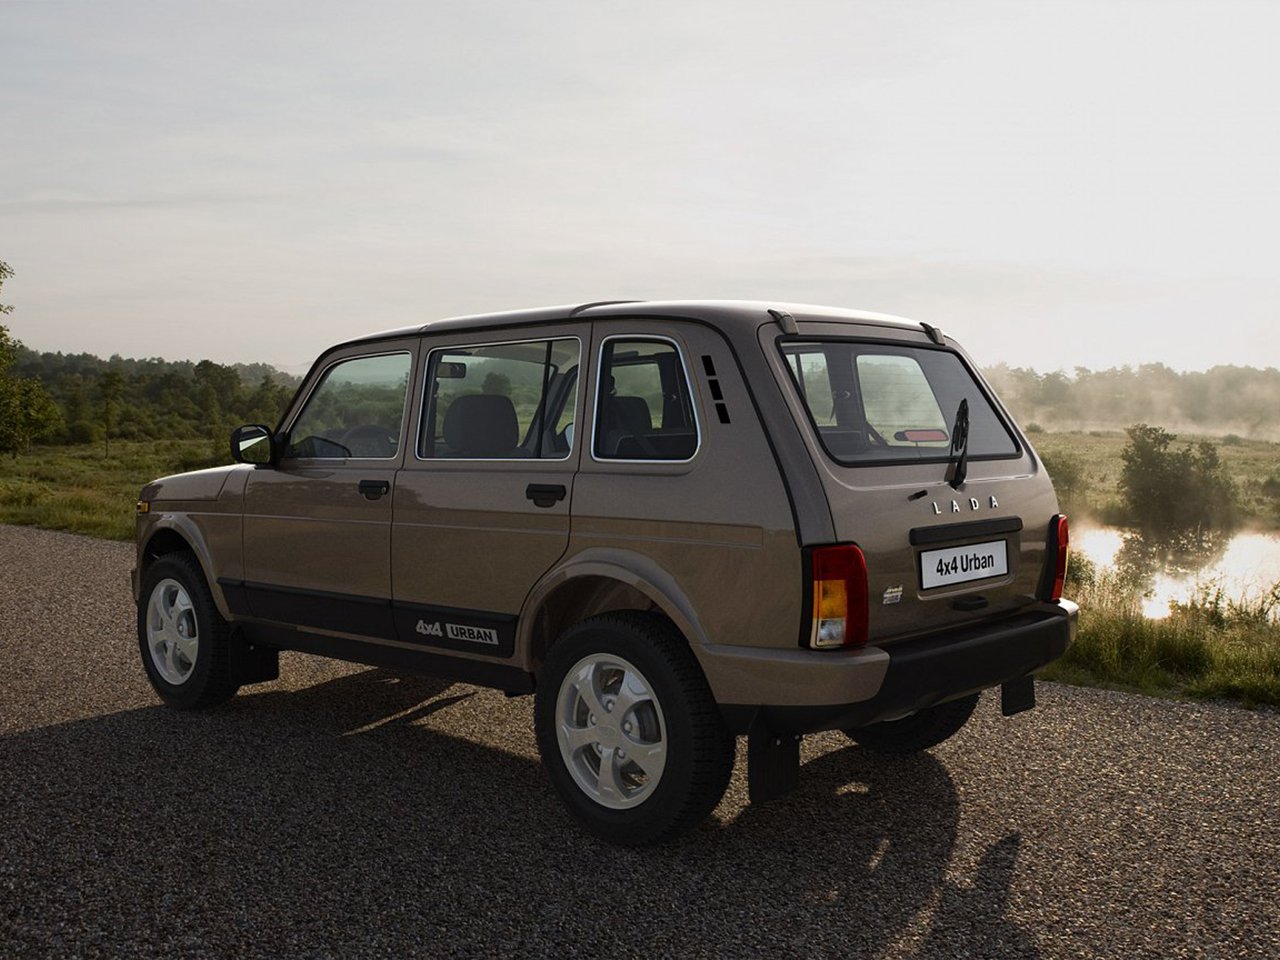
x,y
730,315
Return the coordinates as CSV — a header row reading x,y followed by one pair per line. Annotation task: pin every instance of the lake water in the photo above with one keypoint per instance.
x,y
1243,564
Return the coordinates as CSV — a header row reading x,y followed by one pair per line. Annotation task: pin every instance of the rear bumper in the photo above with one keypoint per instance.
x,y
919,673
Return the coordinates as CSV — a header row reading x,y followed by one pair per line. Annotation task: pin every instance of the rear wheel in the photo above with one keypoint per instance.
x,y
183,639
628,730
923,729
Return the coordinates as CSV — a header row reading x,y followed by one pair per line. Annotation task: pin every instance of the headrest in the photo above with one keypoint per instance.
x,y
481,425
630,414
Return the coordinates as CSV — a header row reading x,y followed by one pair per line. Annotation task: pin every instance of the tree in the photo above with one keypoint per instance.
x,y
498,383
110,388
27,412
1168,490
6,272
267,402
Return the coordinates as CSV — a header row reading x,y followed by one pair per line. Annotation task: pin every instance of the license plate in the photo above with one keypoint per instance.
x,y
978,561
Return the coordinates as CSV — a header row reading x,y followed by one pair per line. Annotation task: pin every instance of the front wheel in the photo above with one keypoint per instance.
x,y
629,732
183,639
921,730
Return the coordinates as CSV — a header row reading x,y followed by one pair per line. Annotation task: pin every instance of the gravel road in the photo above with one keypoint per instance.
x,y
342,811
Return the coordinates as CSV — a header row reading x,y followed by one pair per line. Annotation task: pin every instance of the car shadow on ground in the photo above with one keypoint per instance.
x,y
338,820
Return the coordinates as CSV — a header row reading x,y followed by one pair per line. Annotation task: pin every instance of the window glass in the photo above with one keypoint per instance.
x,y
877,403
899,404
355,411
644,409
489,402
810,373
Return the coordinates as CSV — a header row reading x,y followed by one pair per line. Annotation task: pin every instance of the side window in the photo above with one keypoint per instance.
x,y
814,382
501,401
356,410
644,410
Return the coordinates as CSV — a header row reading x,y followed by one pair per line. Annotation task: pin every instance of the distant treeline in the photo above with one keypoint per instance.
x,y
1221,400
179,399
153,399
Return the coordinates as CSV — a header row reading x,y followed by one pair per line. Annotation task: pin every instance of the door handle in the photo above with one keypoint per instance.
x,y
373,489
545,494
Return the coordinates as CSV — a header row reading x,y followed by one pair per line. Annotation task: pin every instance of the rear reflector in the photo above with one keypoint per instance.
x,y
839,597
1056,550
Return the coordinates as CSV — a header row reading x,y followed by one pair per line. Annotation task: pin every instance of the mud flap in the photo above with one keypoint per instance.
x,y
773,761
1018,695
251,663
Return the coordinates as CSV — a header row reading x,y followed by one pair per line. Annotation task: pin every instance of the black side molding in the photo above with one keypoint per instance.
x,y
500,676
960,531
347,613
482,632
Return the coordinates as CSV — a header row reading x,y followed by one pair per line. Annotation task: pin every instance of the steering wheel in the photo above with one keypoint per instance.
x,y
371,440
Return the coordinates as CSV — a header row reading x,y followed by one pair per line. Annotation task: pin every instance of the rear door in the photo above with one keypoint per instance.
x,y
880,406
482,504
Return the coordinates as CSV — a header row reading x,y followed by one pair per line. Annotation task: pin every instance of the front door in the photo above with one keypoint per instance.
x,y
482,504
317,528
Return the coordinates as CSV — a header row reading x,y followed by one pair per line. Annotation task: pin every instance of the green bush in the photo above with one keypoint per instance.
x,y
1068,476
1168,489
1082,573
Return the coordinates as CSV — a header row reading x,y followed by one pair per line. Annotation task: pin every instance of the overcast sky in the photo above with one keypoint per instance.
x,y
1056,183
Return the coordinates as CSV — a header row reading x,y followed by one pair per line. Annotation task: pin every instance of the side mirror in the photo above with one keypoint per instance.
x,y
253,444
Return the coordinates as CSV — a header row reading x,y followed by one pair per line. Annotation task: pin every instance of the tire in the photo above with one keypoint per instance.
x,y
184,641
923,729
668,721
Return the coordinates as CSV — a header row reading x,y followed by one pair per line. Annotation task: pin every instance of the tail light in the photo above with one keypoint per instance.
x,y
1055,574
839,597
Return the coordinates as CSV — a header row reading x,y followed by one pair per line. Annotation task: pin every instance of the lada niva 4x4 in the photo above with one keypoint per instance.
x,y
672,523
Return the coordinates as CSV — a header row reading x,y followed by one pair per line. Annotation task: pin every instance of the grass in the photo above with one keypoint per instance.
x,y
1254,465
1211,647
81,490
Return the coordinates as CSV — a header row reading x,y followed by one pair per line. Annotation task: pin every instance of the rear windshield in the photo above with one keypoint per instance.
x,y
880,403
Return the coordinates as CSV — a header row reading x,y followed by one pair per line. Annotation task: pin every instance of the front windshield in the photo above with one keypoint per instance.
x,y
883,403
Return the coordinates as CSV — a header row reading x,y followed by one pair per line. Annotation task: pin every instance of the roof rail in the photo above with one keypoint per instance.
x,y
597,303
933,333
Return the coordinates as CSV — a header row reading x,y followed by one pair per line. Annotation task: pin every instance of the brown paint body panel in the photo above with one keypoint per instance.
x,y
309,527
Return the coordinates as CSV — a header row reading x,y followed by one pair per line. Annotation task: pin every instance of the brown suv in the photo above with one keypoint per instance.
x,y
671,522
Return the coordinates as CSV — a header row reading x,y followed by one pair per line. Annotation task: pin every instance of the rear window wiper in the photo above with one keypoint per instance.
x,y
960,445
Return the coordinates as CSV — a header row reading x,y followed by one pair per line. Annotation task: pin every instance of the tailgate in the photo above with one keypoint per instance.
x,y
922,468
